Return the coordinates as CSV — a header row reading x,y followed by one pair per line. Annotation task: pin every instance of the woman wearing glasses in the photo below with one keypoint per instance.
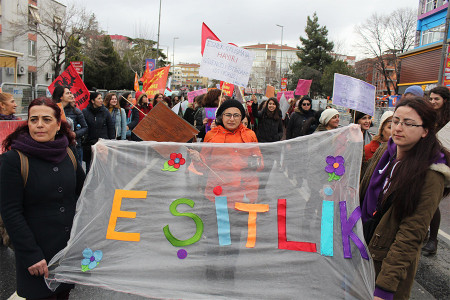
x,y
301,114
401,196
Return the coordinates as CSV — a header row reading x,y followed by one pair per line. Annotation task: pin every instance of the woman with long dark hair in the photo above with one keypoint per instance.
x,y
118,115
401,194
270,124
440,100
38,206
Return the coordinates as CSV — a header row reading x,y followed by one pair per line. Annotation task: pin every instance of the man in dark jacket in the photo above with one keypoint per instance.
x,y
100,125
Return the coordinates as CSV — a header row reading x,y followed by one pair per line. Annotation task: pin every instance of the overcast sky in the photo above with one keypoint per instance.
x,y
243,22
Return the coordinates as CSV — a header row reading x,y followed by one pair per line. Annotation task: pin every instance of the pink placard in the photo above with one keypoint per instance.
x,y
193,94
303,87
287,94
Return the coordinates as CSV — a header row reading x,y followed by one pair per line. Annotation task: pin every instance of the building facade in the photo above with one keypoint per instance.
x,y
266,65
185,75
33,66
369,69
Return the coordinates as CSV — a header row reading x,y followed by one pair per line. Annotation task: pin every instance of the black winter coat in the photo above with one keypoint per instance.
x,y
38,217
77,118
296,122
100,124
269,129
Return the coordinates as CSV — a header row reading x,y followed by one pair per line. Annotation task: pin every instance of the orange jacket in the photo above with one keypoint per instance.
x,y
238,179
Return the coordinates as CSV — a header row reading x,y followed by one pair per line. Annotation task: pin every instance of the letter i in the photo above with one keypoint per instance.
x,y
223,219
326,234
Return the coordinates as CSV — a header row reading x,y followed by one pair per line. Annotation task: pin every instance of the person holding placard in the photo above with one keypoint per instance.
x,y
401,195
440,100
270,124
212,99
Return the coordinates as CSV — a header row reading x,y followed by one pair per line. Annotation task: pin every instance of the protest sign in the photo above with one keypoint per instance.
x,y
287,94
174,237
226,62
354,93
6,128
393,100
227,88
270,91
163,125
303,87
284,105
193,94
70,78
283,84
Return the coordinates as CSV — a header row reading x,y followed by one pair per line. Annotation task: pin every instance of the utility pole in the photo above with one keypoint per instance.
x,y
281,53
159,25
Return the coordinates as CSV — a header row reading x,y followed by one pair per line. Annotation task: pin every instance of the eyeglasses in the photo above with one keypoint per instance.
x,y
407,124
235,116
306,104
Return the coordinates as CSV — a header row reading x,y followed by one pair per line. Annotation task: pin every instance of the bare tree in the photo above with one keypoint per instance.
x,y
384,37
55,24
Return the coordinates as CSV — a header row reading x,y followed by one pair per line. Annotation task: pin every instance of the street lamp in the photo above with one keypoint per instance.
x,y
159,25
173,53
281,52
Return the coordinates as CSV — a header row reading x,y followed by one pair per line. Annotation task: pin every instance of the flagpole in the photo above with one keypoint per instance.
x,y
133,105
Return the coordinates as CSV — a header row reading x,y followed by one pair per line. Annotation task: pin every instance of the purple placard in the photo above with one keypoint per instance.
x,y
210,113
193,94
354,93
287,94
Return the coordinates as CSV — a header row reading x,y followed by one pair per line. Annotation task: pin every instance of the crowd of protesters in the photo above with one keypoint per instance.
x,y
404,175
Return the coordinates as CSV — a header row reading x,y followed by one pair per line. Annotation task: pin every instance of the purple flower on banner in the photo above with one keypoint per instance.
x,y
91,259
335,167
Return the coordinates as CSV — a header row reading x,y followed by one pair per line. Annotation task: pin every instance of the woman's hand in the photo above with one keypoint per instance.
x,y
39,269
377,298
213,124
205,120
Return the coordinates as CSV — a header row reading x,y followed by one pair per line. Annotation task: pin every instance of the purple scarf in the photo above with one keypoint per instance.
x,y
8,117
52,151
379,177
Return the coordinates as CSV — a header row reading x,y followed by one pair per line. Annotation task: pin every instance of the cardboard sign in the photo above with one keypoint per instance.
x,y
270,91
72,80
303,87
163,125
193,94
354,93
227,63
6,128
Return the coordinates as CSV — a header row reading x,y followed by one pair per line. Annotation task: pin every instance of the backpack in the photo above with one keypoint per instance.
x,y
4,237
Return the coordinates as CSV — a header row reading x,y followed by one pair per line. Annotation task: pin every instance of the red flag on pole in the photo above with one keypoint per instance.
x,y
207,34
136,82
72,80
155,81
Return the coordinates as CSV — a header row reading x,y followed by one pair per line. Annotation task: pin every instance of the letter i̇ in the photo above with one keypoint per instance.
x,y
223,219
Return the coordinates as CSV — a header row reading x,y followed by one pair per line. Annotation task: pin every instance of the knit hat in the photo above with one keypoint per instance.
x,y
358,115
230,103
139,95
327,115
415,90
384,117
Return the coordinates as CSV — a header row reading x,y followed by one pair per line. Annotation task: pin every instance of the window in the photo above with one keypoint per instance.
x,y
432,4
32,78
432,35
33,14
31,48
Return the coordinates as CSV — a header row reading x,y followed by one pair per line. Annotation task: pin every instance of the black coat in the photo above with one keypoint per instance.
x,y
100,124
296,122
38,217
269,129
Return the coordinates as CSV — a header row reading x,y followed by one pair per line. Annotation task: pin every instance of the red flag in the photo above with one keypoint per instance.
x,y
155,81
207,34
227,88
145,78
136,82
72,80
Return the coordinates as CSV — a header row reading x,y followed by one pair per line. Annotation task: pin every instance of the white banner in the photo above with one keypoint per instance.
x,y
226,62
354,93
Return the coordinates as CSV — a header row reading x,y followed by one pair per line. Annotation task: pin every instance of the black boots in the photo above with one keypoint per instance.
x,y
430,248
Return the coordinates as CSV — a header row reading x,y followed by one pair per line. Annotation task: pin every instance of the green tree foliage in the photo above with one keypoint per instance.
x,y
327,80
105,69
315,49
74,51
314,56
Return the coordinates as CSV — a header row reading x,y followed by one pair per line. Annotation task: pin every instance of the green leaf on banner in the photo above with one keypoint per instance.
x,y
84,268
166,167
172,169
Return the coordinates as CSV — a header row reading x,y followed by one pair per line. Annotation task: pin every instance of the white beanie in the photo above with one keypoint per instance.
x,y
384,117
327,115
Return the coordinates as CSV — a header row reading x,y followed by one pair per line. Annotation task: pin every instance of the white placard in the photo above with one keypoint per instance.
x,y
226,62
